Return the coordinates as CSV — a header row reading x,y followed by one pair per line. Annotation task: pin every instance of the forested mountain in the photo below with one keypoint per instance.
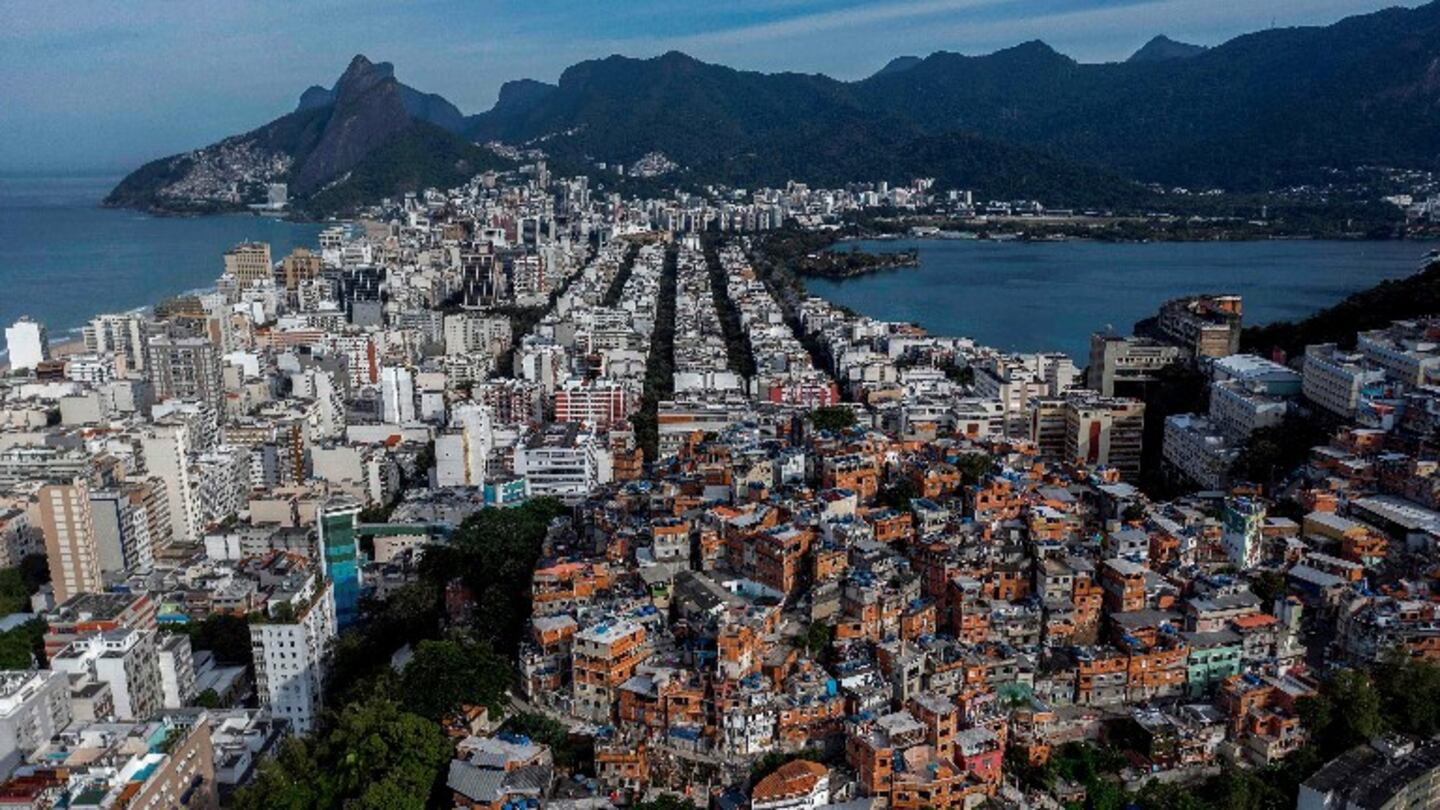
x,y
367,137
1262,111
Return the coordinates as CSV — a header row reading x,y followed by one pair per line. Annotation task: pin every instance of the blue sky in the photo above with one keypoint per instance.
x,y
88,86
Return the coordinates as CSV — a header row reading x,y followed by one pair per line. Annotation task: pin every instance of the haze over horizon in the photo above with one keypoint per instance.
x,y
107,88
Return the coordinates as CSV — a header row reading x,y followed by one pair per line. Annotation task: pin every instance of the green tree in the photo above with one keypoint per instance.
x,y
493,554
1268,585
23,646
225,635
18,583
550,732
374,753
35,569
1409,694
209,699
833,418
816,639
1344,713
973,467
376,740
899,494
14,597
443,675
362,653
293,779
1272,453
387,795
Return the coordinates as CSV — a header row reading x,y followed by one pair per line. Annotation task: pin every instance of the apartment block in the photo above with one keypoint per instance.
x,y
292,646
70,543
1335,380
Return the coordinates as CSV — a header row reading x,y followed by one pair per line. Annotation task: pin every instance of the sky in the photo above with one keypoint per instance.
x,y
101,87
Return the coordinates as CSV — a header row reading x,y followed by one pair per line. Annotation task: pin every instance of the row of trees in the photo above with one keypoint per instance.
x,y
617,286
739,353
660,365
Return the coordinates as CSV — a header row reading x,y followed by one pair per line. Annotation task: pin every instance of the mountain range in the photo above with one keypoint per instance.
x,y
1259,112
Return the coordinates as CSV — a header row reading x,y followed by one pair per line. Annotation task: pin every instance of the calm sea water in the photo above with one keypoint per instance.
x,y
1033,296
63,259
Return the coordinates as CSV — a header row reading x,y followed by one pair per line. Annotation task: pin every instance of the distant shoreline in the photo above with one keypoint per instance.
x,y
66,259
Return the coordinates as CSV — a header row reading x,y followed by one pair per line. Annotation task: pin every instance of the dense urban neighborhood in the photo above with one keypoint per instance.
x,y
520,495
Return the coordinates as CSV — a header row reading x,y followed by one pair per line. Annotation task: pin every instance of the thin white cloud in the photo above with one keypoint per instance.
x,y
854,17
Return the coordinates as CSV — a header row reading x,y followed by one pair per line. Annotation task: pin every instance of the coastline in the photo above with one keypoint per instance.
x,y
65,257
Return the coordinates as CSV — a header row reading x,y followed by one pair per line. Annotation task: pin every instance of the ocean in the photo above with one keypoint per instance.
x,y
1049,296
64,259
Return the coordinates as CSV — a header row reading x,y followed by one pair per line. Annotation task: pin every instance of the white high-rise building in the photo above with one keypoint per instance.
x,y
28,344
177,671
291,651
397,395
124,334
461,453
122,530
166,450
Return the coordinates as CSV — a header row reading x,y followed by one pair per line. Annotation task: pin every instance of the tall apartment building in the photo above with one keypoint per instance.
x,y
90,613
1238,411
1047,426
1195,447
1256,374
1123,365
1334,379
166,451
564,462
249,262
125,334
1106,431
186,368
115,765
301,265
1244,521
177,671
70,544
292,647
595,403
1202,325
28,344
461,453
474,332
126,519
1015,380
397,395
340,553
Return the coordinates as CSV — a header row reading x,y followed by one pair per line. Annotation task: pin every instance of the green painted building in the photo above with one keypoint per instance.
x,y
1213,658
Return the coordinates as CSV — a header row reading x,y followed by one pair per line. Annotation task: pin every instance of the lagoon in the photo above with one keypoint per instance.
x,y
1048,296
